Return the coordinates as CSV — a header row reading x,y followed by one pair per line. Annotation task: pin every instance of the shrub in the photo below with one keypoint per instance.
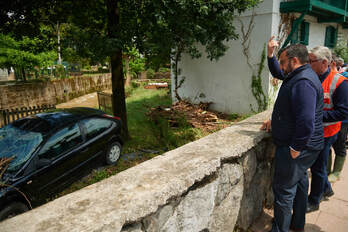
x,y
60,71
150,73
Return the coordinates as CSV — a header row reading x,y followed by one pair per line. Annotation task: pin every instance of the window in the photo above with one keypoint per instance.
x,y
330,37
301,35
304,33
61,142
96,126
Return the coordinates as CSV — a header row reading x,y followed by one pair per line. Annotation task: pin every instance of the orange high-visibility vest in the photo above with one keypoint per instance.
x,y
331,82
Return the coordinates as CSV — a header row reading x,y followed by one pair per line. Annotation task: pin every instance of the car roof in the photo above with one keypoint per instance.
x,y
53,119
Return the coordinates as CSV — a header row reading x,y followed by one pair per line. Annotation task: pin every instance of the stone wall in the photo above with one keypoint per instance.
x,y
218,183
51,92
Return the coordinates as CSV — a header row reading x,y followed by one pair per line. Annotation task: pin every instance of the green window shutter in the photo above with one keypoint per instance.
x,y
327,37
330,37
294,37
334,41
304,35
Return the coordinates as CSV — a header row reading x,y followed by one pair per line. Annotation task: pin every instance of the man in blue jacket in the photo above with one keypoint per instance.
x,y
297,131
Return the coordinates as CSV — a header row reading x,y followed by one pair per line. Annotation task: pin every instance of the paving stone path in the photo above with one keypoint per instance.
x,y
89,100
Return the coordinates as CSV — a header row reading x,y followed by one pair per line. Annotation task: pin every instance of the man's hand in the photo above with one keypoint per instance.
x,y
266,125
294,154
272,44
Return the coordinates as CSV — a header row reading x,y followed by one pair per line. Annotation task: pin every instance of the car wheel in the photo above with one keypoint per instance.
x,y
113,153
12,210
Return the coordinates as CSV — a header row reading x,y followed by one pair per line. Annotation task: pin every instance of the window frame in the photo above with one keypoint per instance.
x,y
39,154
301,35
85,130
330,37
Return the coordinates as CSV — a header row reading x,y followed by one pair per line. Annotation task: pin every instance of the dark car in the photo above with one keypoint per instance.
x,y
50,150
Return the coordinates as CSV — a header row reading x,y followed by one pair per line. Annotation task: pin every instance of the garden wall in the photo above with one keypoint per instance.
x,y
51,92
218,183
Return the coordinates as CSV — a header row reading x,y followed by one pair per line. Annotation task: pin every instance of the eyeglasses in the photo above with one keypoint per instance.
x,y
312,61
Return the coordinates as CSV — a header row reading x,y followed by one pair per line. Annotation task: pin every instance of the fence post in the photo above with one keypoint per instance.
x,y
10,115
17,113
7,116
2,118
98,96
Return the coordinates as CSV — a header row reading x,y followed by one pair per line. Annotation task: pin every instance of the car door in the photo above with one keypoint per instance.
x,y
58,157
98,132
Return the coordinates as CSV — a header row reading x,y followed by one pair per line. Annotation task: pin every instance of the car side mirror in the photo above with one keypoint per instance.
x,y
43,163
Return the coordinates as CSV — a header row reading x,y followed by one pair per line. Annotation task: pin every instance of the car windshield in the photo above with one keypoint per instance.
x,y
19,144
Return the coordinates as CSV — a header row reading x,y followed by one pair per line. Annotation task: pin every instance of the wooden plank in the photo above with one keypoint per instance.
x,y
12,113
7,116
17,113
2,118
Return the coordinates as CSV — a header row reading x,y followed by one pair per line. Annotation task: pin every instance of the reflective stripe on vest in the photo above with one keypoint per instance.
x,y
332,88
331,82
330,123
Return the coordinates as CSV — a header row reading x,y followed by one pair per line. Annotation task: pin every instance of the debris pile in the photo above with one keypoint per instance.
x,y
4,163
197,116
156,85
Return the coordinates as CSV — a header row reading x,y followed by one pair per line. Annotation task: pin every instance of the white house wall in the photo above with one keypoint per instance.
x,y
227,82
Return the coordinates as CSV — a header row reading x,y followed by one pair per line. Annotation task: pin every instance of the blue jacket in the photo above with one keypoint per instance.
x,y
294,122
339,97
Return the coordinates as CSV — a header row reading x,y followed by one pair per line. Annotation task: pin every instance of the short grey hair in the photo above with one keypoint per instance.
x,y
340,59
322,53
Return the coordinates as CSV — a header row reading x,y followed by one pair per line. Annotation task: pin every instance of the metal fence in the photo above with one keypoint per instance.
x,y
105,101
10,115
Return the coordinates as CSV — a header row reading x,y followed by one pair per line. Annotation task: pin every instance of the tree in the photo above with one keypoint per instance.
x,y
134,63
157,28
23,55
342,51
190,27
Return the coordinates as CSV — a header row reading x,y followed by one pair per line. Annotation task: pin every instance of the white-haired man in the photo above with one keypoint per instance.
x,y
335,110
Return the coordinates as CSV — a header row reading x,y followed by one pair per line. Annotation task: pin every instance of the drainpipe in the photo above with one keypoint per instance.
x,y
345,11
294,29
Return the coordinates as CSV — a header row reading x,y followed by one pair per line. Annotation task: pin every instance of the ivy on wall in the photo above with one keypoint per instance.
x,y
256,84
256,81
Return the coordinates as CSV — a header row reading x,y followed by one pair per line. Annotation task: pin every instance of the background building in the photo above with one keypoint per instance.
x,y
227,83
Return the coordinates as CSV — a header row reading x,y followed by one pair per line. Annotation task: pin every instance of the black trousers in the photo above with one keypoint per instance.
x,y
340,145
290,187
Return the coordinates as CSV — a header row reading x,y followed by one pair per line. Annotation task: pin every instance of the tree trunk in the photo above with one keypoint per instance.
x,y
58,41
118,93
23,75
176,74
128,76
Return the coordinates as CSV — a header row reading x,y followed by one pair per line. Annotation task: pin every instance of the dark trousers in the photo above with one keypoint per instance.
x,y
340,145
320,183
290,187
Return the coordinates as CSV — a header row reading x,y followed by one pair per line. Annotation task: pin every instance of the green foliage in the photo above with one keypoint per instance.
x,y
60,71
135,84
22,54
341,51
189,27
136,62
256,84
173,137
150,73
163,70
130,89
